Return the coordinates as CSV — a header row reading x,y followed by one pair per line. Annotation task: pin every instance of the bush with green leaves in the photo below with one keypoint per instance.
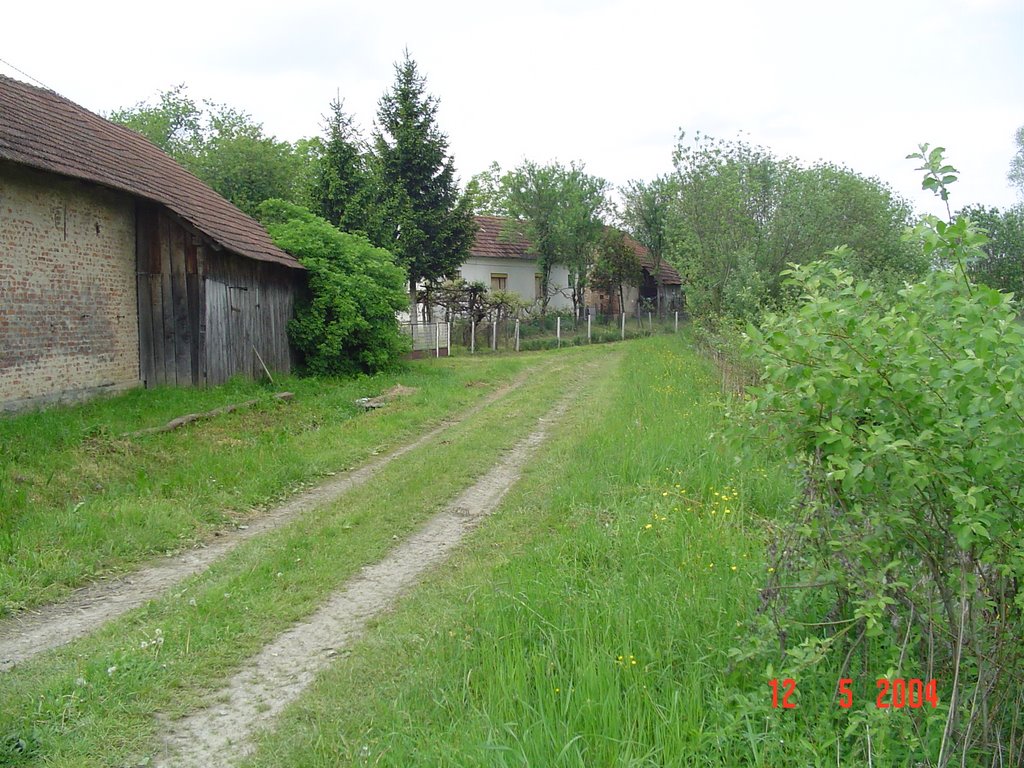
x,y
737,214
906,557
348,325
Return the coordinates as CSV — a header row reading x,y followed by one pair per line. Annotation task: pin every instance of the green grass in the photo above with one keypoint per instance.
x,y
92,703
79,500
588,622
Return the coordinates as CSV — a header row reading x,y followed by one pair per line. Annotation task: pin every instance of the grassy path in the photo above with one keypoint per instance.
x,y
79,501
217,736
31,633
94,701
588,621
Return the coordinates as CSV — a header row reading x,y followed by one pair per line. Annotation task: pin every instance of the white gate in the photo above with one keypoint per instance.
x,y
429,339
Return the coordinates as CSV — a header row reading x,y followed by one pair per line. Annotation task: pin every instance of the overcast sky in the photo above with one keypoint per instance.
x,y
606,82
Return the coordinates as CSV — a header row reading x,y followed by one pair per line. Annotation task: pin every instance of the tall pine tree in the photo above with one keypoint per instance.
x,y
342,188
427,224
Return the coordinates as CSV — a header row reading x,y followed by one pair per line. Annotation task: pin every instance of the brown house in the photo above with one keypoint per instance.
x,y
663,277
119,268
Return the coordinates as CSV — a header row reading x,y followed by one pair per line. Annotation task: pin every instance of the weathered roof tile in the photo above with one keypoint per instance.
x,y
491,241
41,129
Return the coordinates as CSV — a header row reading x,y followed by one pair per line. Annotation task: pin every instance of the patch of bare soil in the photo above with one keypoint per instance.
x,y
223,733
33,632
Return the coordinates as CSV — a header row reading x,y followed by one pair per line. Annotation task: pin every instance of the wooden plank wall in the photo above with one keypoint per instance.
x,y
202,312
255,302
217,313
170,303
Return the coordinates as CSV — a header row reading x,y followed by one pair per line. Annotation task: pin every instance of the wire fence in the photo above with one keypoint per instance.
x,y
553,331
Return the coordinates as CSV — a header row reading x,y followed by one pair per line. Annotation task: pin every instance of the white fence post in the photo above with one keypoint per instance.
x,y
677,321
558,331
437,339
650,325
448,339
623,325
588,328
494,335
517,334
472,336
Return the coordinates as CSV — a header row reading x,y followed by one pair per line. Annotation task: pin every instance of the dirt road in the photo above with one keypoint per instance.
x,y
34,632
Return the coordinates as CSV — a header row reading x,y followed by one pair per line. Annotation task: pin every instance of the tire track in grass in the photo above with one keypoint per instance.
x,y
30,634
221,734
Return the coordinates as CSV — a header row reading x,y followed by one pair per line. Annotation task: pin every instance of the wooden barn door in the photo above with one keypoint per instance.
x,y
218,321
232,319
167,282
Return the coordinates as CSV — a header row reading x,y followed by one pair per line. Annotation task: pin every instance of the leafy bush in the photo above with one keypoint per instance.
x,y
1001,265
349,324
906,558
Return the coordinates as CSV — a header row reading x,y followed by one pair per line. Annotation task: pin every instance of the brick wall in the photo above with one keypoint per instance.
x,y
68,314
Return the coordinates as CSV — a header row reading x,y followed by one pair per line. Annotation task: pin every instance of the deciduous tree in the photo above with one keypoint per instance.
x,y
174,123
558,210
739,215
485,190
1001,264
224,147
646,216
243,164
615,265
1016,174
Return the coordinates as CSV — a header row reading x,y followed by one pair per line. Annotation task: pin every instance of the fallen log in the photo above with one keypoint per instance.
x,y
181,421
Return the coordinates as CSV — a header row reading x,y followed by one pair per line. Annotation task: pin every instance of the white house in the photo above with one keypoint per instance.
x,y
505,264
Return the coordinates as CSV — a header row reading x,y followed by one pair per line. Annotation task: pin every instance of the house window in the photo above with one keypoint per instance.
x,y
538,286
499,281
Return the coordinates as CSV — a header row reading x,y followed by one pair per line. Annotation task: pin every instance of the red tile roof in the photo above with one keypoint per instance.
x,y
41,129
667,273
490,242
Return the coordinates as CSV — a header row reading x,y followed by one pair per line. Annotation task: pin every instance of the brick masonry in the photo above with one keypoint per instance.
x,y
68,311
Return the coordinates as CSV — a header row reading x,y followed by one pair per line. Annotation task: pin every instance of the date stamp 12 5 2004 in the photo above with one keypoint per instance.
x,y
895,693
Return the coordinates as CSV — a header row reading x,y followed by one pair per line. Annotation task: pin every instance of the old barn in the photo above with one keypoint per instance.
x,y
119,268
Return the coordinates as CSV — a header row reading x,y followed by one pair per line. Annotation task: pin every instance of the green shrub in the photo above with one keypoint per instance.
x,y
908,417
349,324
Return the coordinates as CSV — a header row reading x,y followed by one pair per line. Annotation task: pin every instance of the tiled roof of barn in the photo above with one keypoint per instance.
x,y
667,273
44,130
